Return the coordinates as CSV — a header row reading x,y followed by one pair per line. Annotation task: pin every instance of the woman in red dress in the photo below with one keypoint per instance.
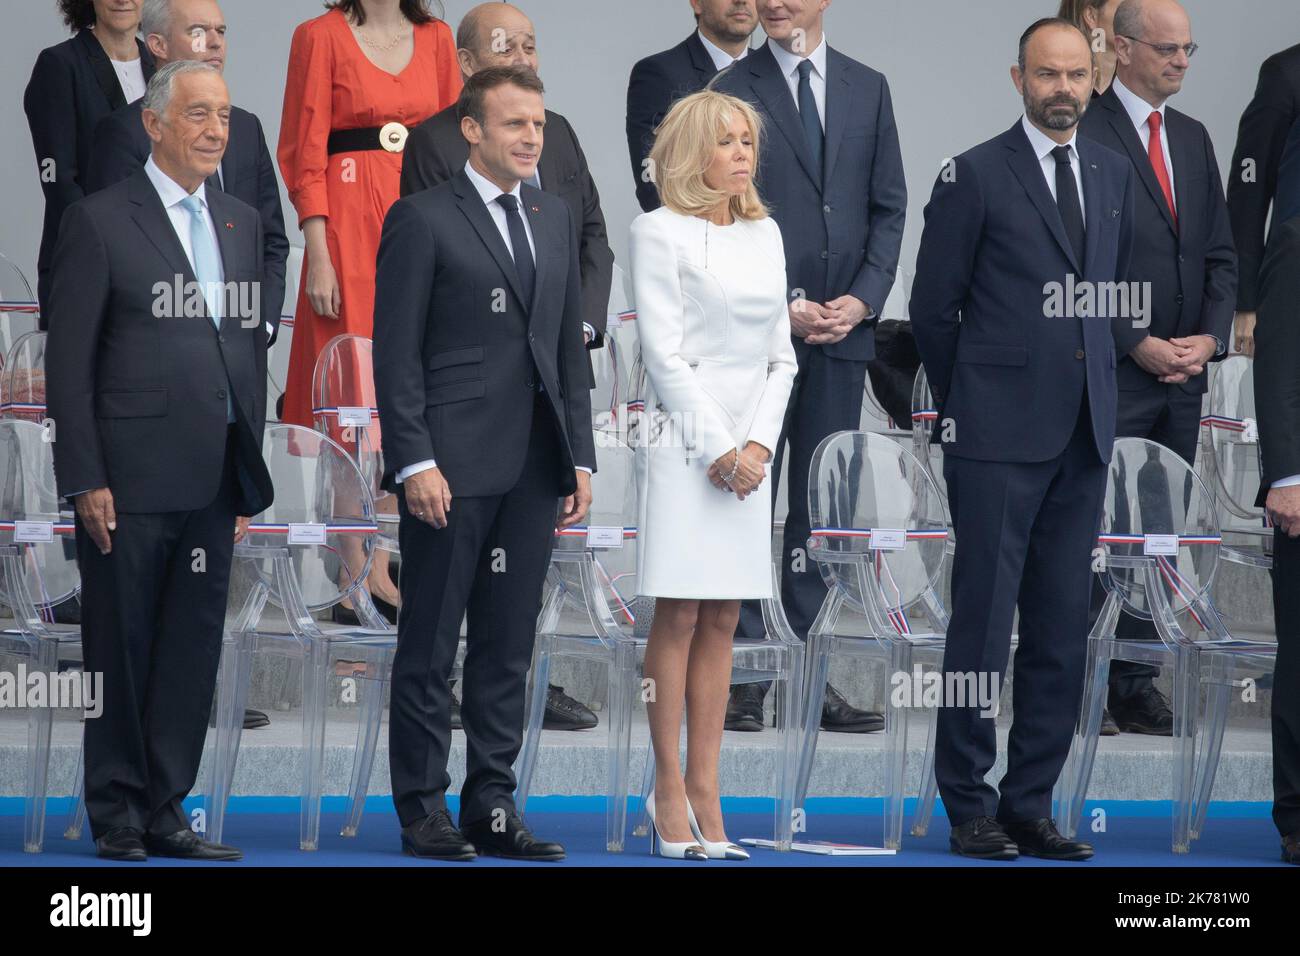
x,y
360,77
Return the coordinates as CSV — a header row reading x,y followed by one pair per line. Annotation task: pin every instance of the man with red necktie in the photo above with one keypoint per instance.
x,y
1184,256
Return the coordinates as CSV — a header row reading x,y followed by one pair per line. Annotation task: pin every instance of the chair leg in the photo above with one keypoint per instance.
x,y
818,665
232,695
642,827
1219,695
527,758
363,761
622,681
40,726
929,783
1186,703
315,684
1095,683
77,813
900,660
789,714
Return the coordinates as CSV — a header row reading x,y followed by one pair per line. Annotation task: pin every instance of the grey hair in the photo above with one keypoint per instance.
x,y
159,94
156,17
1130,18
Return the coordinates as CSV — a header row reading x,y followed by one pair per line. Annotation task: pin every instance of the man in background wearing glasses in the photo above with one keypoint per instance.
x,y
1184,253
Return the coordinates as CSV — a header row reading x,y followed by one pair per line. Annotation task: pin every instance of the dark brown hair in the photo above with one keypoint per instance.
x,y
477,86
1072,10
417,11
78,14
1043,24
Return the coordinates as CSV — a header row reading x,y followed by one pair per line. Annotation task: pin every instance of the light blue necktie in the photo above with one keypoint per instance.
x,y
207,269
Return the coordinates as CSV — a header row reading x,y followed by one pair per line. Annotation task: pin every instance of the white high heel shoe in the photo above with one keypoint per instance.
x,y
672,851
722,850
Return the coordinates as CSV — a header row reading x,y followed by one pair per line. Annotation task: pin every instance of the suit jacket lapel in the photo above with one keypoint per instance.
x,y
471,204
102,68
1123,126
700,58
1092,206
1180,154
1030,173
154,222
228,239
774,93
542,240
838,97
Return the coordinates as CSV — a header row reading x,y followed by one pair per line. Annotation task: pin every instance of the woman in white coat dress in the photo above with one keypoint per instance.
x,y
708,270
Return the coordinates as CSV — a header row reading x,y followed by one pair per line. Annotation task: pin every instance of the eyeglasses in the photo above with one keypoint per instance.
x,y
1166,50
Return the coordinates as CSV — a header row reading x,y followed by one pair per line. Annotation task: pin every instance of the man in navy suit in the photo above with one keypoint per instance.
x,y
1184,256
832,173
659,81
1026,399
196,30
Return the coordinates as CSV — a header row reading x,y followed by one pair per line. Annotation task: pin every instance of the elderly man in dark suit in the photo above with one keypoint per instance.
x,y
1277,399
499,34
1026,401
483,399
159,406
1264,177
196,30
1184,256
721,38
832,172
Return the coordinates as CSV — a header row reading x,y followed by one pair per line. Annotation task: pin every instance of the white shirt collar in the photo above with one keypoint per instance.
x,y
169,190
1138,109
721,58
1042,144
789,62
488,189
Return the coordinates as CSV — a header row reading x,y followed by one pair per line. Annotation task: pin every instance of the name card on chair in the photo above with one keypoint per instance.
x,y
306,534
888,539
1161,544
354,416
35,532
604,537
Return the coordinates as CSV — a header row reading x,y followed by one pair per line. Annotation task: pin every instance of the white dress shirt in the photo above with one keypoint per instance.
x,y
1042,145
489,192
172,194
1139,111
130,74
789,64
720,57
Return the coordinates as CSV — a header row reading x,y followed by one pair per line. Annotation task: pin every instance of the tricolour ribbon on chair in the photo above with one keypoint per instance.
x,y
18,305
894,611
37,408
1181,587
624,606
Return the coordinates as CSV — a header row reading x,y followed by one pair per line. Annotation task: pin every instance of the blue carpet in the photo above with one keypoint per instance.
x,y
1136,835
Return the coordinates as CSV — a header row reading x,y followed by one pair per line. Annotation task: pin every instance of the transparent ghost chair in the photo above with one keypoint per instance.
x,y
1161,551
879,528
39,570
1230,462
591,611
22,382
925,419
19,312
287,570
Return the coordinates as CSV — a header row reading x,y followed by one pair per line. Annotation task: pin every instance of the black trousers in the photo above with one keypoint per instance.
x,y
826,398
1025,534
1169,416
153,609
1286,684
491,562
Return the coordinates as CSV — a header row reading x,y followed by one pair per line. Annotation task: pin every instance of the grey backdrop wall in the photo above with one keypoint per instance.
x,y
947,62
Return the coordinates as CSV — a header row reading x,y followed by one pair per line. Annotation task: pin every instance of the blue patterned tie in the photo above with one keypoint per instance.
x,y
812,122
207,269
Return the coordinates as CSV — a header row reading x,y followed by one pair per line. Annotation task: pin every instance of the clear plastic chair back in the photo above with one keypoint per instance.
x,y
872,504
22,384
925,419
1230,436
320,495
19,313
1156,505
28,494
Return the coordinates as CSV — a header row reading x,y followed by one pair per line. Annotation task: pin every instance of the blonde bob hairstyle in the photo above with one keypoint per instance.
x,y
684,146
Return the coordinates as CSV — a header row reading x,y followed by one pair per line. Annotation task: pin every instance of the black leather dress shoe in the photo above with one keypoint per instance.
x,y
122,843
1146,712
745,708
565,713
254,719
435,838
510,839
68,612
982,839
1041,838
1108,726
841,717
1291,848
455,714
188,845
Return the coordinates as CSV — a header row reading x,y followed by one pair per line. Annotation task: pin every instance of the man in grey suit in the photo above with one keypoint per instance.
x,y
156,372
832,173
